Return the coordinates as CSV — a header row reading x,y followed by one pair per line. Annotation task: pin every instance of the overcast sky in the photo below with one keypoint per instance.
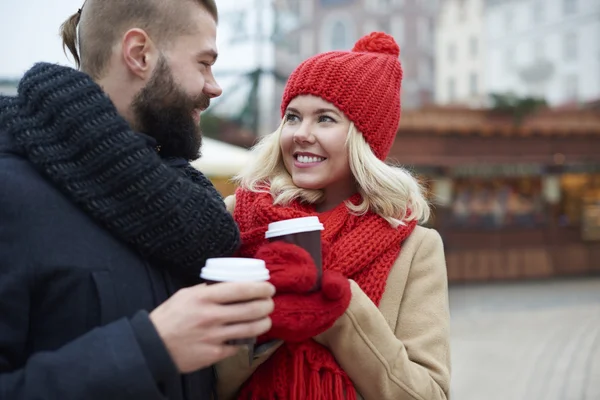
x,y
29,33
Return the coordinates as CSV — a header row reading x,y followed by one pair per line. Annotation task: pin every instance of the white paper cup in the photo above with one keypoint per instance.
x,y
234,269
293,226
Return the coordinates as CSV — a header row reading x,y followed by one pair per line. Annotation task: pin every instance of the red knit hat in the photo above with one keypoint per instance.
x,y
363,83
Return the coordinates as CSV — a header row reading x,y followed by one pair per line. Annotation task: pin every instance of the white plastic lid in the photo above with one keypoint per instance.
x,y
235,269
295,225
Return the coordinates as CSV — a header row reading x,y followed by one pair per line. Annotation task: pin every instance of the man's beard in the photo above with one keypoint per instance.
x,y
164,111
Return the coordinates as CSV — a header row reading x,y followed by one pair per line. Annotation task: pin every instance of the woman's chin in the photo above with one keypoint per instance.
x,y
307,185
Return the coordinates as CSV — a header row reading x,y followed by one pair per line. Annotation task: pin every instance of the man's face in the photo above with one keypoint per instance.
x,y
168,107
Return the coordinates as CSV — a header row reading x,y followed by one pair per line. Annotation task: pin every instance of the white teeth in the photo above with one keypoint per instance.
x,y
308,160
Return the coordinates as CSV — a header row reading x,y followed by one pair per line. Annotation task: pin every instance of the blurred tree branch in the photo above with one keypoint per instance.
x,y
518,107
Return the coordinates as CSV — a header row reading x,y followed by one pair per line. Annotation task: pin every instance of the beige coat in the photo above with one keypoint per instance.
x,y
397,352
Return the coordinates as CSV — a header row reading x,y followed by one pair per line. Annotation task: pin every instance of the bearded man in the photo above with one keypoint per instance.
x,y
104,225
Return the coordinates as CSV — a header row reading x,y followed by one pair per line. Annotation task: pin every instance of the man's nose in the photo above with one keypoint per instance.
x,y
212,88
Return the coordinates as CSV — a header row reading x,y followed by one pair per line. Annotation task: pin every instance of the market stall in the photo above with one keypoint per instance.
x,y
221,161
513,200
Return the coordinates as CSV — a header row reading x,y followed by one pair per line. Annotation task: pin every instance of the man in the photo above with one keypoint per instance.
x,y
96,228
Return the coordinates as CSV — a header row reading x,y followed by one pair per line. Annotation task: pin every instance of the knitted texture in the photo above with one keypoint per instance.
x,y
363,83
362,248
298,314
68,128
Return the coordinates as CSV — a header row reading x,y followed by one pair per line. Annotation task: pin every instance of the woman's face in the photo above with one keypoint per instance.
x,y
313,144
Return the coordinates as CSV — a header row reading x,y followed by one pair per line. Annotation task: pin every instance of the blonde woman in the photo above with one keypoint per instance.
x,y
378,328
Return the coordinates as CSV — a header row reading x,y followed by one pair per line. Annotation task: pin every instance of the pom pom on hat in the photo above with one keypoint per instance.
x,y
377,42
363,83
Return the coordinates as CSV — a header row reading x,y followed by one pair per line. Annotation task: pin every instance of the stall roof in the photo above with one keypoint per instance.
x,y
485,122
220,159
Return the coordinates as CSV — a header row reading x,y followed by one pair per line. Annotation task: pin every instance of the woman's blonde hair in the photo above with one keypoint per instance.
x,y
387,190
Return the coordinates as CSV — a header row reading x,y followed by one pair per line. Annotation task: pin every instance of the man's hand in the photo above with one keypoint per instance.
x,y
196,322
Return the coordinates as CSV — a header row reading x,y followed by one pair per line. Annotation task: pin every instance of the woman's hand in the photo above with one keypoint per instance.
x,y
300,314
325,337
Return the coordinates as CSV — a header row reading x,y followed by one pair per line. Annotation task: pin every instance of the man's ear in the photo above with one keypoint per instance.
x,y
139,53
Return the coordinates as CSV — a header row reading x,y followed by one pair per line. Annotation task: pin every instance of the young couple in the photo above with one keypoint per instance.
x,y
104,227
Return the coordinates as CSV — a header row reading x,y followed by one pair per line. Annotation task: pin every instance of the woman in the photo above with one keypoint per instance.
x,y
378,329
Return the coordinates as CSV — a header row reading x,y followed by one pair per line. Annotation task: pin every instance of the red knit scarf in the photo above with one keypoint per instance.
x,y
363,248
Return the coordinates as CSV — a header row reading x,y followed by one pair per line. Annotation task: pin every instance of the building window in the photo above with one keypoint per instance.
x,y
462,12
473,84
508,20
510,59
571,89
397,29
424,36
338,32
570,46
451,89
451,52
339,36
381,6
370,26
293,44
294,6
473,46
539,50
538,12
335,2
430,22
569,6
384,25
425,73
239,24
371,5
307,41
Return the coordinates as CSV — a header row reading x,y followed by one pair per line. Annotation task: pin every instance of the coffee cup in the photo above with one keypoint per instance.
x,y
235,269
304,232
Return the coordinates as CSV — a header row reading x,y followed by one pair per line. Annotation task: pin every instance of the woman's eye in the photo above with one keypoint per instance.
x,y
325,118
291,118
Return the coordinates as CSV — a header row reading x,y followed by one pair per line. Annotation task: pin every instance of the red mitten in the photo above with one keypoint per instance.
x,y
292,269
299,317
300,313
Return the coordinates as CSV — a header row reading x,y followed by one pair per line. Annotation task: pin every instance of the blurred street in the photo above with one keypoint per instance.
x,y
526,341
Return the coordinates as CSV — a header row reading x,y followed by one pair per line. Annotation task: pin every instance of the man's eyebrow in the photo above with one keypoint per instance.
x,y
209,53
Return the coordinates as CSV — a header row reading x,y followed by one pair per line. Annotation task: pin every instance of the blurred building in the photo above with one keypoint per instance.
x,y
531,48
460,53
514,198
308,27
544,48
246,52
